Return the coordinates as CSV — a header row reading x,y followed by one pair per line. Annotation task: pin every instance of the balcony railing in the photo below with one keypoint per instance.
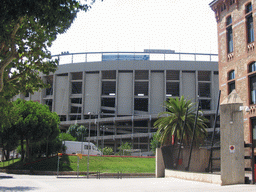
x,y
147,55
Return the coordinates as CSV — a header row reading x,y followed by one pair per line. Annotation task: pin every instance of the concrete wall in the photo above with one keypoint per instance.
x,y
199,158
232,140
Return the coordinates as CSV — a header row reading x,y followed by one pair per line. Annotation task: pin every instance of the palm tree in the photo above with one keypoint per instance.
x,y
170,122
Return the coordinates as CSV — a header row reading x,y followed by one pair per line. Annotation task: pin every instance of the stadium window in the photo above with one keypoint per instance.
x,y
229,34
172,89
141,88
48,102
76,87
141,104
109,88
77,76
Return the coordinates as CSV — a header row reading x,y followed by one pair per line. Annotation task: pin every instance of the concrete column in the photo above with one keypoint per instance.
x,y
232,140
160,168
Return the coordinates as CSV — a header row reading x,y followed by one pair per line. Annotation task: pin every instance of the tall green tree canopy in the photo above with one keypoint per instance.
x,y
36,122
171,122
77,131
27,29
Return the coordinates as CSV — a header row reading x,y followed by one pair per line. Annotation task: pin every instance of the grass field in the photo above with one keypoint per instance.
x,y
97,163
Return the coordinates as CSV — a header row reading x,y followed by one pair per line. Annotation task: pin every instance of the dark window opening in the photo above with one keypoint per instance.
x,y
204,75
63,117
75,117
27,94
172,89
141,75
253,122
141,104
141,88
108,74
231,75
108,102
62,74
75,109
49,91
205,104
204,89
172,75
230,39
109,88
250,30
231,86
77,76
107,111
124,124
76,100
90,116
253,89
248,8
49,81
229,20
76,87
48,102
140,123
252,67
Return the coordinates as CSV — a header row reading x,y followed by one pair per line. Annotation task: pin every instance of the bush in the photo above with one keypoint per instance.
x,y
107,151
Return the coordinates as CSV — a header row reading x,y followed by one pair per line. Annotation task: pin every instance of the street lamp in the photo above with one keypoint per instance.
x,y
89,146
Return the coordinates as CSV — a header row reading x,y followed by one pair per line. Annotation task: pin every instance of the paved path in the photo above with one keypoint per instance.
x,y
52,184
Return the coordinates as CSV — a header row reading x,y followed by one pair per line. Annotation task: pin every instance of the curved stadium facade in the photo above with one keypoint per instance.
x,y
118,95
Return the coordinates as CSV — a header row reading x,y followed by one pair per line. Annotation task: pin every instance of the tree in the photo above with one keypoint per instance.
x,y
66,137
155,143
8,136
36,123
125,146
77,131
27,29
170,123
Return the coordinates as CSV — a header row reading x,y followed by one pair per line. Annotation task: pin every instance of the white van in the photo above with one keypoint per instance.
x,y
73,147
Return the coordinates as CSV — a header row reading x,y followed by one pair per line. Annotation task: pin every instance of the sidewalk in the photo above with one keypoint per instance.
x,y
51,183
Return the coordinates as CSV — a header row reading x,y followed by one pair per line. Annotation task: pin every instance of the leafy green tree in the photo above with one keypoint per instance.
x,y
155,143
36,123
171,122
124,147
8,136
66,137
27,30
77,131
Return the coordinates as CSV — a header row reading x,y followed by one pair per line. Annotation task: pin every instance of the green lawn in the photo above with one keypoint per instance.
x,y
97,163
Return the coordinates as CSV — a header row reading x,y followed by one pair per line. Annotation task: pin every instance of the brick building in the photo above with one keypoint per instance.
x,y
237,56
